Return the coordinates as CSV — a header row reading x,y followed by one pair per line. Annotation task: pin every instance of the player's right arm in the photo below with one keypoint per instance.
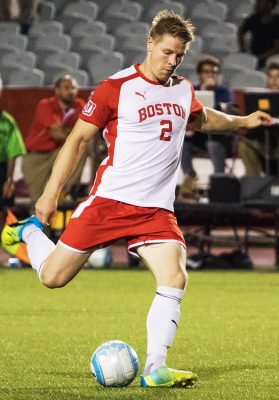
x,y
64,165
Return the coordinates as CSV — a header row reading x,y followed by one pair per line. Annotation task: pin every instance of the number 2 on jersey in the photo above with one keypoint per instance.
x,y
166,130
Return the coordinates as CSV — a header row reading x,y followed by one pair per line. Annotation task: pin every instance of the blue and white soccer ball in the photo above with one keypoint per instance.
x,y
114,363
100,258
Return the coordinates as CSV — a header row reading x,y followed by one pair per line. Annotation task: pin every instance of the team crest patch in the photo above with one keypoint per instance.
x,y
89,108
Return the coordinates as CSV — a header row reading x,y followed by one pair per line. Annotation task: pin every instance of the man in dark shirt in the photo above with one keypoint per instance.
x,y
218,146
263,26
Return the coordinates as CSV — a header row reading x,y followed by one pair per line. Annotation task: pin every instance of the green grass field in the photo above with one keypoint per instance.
x,y
228,334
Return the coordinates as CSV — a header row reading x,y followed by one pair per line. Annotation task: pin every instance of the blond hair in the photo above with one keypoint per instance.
x,y
168,22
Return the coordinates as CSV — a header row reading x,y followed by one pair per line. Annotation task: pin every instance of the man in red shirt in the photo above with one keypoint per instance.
x,y
53,121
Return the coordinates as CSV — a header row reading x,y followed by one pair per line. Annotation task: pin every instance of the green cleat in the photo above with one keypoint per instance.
x,y
168,377
12,234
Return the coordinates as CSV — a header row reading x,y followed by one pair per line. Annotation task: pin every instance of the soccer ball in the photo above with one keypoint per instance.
x,y
100,258
114,363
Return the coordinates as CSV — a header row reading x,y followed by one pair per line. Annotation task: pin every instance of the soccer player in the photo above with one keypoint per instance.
x,y
144,110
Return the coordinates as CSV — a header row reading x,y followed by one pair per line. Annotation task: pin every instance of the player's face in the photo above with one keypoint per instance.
x,y
165,54
273,79
67,91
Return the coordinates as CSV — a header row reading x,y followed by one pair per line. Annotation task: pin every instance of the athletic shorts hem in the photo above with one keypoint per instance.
x,y
152,241
72,248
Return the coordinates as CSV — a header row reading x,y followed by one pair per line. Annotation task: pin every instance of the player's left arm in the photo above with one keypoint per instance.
x,y
213,121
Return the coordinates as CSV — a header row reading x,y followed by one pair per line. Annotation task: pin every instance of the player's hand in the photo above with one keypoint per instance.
x,y
8,189
258,118
45,209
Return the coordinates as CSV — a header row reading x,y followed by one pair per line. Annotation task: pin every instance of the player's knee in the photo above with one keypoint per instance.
x,y
181,278
52,280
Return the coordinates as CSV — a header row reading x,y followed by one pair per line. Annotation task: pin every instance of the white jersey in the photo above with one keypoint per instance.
x,y
144,123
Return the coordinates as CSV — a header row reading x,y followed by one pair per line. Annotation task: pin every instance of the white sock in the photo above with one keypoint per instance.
x,y
162,322
39,246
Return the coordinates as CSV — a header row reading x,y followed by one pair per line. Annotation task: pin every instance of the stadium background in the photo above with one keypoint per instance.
x,y
93,39
229,326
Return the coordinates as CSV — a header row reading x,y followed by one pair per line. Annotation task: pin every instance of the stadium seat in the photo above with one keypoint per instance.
x,y
243,59
15,40
60,42
47,10
220,28
7,48
210,8
70,59
26,78
139,41
80,8
104,4
59,4
6,70
128,29
220,46
197,45
177,7
46,27
69,21
119,13
130,8
24,58
88,28
95,44
53,73
229,71
137,57
242,80
9,27
104,65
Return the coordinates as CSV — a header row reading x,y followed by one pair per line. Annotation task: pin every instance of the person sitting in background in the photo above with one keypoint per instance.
x,y
22,11
53,121
218,146
263,27
251,148
11,146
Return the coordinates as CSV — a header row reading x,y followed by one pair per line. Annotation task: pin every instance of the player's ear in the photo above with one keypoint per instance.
x,y
150,43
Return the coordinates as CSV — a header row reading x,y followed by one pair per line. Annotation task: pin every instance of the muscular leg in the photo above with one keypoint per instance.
x,y
56,265
61,267
167,263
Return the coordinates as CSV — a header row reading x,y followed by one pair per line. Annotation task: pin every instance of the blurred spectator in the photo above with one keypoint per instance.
x,y
11,146
263,28
22,11
53,121
218,146
252,148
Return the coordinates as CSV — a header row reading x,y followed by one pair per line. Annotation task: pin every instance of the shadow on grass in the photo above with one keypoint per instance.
x,y
210,372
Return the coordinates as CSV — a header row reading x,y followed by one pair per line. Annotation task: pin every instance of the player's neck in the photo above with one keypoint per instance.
x,y
146,70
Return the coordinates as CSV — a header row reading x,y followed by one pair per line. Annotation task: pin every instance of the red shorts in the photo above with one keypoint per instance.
x,y
97,222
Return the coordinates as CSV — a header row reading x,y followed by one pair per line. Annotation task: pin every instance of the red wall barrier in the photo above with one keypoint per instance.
x,y
21,103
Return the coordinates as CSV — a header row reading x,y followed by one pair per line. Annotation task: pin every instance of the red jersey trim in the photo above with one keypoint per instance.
x,y
144,77
111,127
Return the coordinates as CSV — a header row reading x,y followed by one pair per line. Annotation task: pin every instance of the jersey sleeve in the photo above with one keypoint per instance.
x,y
97,110
196,107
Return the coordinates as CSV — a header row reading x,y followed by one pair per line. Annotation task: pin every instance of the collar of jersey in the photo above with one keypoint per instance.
x,y
144,77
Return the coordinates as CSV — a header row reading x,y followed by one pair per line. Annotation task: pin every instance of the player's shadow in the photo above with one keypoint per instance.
x,y
211,371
